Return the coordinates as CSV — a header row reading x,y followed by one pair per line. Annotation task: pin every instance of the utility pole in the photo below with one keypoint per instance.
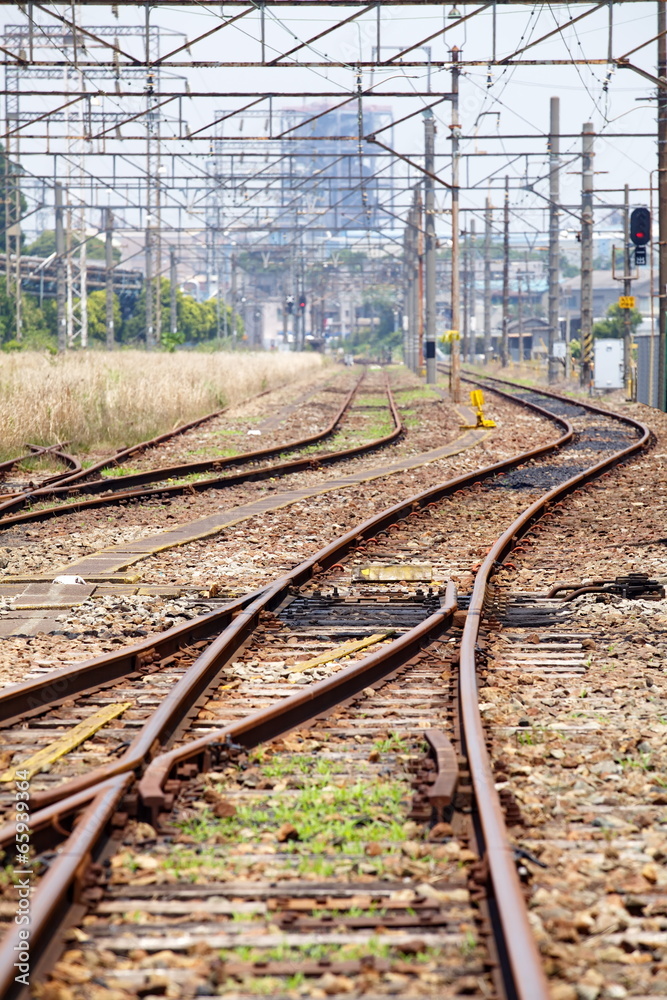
x,y
504,344
150,338
173,281
108,263
411,313
627,290
519,313
414,328
83,280
465,326
455,365
232,304
419,211
586,331
526,274
662,206
471,292
60,270
13,233
286,313
488,222
429,244
554,226
407,290
222,282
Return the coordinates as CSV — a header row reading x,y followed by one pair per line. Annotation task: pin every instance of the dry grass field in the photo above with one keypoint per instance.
x,y
98,400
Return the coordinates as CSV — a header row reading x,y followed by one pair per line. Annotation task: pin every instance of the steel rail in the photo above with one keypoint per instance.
x,y
162,726
217,482
156,475
55,905
187,468
269,722
297,709
522,970
165,722
67,459
470,376
33,697
38,451
526,969
124,453
528,982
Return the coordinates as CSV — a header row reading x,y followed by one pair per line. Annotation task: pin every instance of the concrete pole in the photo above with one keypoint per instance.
x,y
150,331
412,290
108,261
416,304
472,295
83,281
173,281
420,281
627,290
429,246
504,344
60,271
586,331
455,365
285,315
662,207
488,222
465,325
554,228
232,304
405,317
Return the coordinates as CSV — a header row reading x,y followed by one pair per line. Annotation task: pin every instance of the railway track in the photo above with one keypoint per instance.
x,y
184,478
55,451
204,720
76,473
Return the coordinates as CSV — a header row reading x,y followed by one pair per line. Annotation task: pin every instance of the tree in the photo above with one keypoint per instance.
x,y
97,315
35,328
614,324
45,245
196,321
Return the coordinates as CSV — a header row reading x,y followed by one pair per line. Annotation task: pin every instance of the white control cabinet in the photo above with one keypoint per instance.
x,y
608,363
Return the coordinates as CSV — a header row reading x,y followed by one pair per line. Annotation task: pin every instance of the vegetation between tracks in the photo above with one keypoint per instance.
x,y
102,400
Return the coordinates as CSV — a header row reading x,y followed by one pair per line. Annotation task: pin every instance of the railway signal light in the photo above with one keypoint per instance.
x,y
640,227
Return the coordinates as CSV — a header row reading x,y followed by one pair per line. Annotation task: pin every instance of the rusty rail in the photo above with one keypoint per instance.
x,y
253,475
38,451
297,709
53,906
33,697
56,904
65,489
523,965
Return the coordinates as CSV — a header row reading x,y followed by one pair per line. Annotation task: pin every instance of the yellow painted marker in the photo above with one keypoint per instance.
x,y
67,742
